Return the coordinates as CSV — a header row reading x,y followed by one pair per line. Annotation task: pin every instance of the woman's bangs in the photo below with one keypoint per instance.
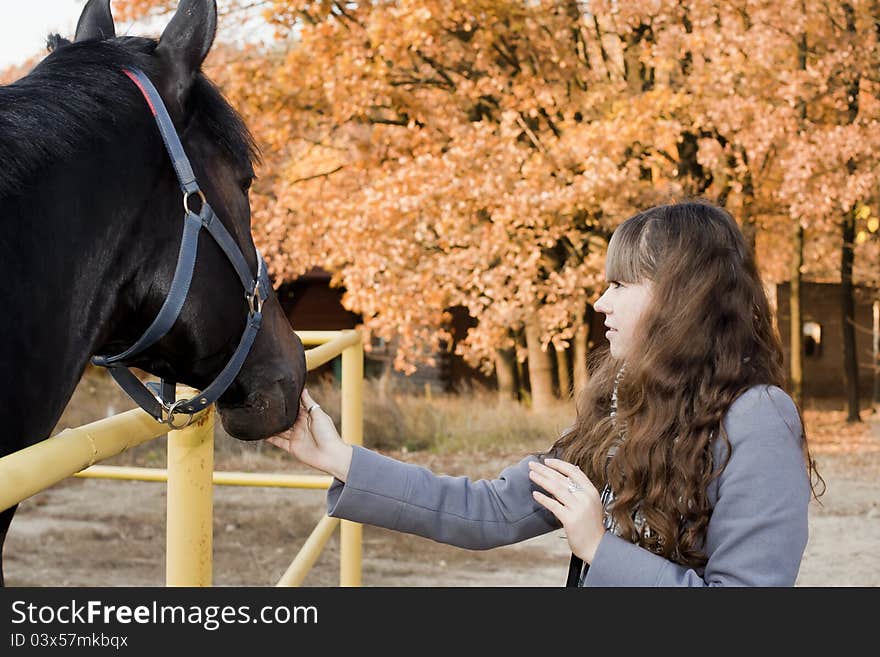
x,y
623,261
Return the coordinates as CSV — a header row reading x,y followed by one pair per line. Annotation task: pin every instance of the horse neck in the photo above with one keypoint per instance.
x,y
72,242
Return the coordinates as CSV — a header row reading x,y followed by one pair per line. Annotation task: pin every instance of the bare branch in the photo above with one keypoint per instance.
x,y
317,175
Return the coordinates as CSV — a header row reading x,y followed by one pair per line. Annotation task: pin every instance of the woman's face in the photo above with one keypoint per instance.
x,y
623,305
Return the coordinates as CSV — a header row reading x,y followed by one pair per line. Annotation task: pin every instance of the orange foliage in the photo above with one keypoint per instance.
x,y
479,153
12,73
433,153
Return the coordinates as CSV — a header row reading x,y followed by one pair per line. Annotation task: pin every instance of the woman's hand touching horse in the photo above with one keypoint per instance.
x,y
313,439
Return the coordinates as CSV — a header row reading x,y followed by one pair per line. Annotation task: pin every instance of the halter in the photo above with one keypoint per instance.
x,y
158,399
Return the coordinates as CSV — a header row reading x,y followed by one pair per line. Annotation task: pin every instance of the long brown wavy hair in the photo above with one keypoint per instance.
x,y
706,336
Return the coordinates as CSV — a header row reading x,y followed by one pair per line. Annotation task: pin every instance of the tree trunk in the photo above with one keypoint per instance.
x,y
383,384
847,254
749,226
522,370
505,373
562,374
847,307
581,350
540,367
875,352
796,324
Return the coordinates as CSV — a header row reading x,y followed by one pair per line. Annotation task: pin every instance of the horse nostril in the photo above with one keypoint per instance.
x,y
257,401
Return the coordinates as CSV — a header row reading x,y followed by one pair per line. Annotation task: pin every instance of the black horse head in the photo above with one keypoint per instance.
x,y
92,222
263,400
92,219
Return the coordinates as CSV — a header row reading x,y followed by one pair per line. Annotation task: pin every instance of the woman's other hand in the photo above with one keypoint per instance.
x,y
313,439
574,500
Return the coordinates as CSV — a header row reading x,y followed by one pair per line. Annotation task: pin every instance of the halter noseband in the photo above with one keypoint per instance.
x,y
159,399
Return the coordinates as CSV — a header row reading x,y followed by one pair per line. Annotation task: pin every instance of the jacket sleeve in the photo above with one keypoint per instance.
x,y
470,514
758,529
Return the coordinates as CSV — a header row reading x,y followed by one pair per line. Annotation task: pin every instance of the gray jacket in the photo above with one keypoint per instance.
x,y
756,535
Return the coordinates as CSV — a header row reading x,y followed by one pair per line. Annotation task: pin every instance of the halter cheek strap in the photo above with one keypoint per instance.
x,y
158,399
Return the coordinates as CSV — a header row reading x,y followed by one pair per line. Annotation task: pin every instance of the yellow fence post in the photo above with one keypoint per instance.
x,y
351,533
188,558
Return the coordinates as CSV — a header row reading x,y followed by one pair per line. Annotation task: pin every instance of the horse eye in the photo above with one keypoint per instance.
x,y
246,184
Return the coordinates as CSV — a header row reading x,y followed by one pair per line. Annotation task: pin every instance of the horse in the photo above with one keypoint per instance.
x,y
91,240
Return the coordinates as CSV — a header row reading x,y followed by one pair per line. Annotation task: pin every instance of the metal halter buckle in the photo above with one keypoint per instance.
x,y
171,410
251,298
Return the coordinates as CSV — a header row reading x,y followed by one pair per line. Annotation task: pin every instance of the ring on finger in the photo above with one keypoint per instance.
x,y
573,486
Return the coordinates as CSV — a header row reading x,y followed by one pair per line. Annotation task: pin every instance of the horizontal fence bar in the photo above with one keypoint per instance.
x,y
309,552
269,480
320,337
317,356
35,468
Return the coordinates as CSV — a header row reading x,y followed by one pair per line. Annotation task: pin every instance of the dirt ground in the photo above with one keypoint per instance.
x,y
85,532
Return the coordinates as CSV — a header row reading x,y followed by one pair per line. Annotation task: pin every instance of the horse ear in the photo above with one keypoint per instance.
x,y
188,37
95,22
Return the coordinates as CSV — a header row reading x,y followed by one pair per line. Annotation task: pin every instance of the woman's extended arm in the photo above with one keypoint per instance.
x,y
455,510
378,490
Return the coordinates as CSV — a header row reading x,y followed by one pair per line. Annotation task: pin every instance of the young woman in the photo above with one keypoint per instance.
x,y
687,464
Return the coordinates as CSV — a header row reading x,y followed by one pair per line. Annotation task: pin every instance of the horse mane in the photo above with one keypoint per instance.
x,y
75,97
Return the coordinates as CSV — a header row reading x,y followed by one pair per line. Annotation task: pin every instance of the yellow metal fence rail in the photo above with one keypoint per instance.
x,y
190,473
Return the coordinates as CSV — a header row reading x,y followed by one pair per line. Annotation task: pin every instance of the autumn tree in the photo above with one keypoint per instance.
x,y
831,166
479,154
